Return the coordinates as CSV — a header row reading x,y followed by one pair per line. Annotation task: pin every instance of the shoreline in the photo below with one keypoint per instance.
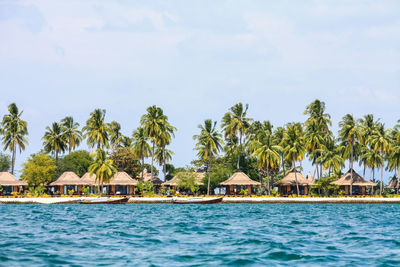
x,y
226,200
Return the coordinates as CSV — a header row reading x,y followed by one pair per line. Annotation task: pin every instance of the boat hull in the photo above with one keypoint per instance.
x,y
200,201
108,201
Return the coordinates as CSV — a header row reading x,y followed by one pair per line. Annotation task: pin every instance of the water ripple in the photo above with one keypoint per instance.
x,y
217,235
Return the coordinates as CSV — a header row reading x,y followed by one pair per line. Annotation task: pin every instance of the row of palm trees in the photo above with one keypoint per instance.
x,y
363,140
154,128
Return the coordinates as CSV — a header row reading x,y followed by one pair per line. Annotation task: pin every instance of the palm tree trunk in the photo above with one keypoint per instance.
x,y
240,152
164,165
398,179
69,147
295,176
13,159
152,160
142,167
380,186
351,172
56,157
268,186
209,176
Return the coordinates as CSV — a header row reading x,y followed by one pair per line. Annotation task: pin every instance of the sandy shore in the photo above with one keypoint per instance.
x,y
227,200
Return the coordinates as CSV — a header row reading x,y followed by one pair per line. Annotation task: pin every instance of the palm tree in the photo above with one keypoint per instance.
x,y
14,131
294,146
116,136
209,143
267,151
154,124
71,132
380,141
164,139
126,141
373,159
394,154
235,122
278,137
367,128
330,156
317,130
141,147
96,130
163,156
349,135
54,140
103,168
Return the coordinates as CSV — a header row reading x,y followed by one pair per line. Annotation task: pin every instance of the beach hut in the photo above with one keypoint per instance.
x,y
68,181
173,183
121,184
10,184
148,177
287,185
394,184
238,181
359,183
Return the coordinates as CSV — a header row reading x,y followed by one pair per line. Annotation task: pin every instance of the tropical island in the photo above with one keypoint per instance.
x,y
243,158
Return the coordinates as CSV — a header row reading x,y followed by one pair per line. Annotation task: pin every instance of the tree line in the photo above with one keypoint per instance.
x,y
262,151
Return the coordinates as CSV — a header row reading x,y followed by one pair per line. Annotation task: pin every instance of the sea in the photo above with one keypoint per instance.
x,y
200,235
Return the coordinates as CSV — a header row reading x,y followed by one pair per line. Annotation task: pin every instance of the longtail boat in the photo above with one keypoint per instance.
x,y
105,201
198,201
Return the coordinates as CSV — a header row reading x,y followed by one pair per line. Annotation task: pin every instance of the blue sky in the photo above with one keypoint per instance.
x,y
196,59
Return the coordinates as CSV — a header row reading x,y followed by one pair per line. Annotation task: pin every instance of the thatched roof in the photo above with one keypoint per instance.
x,y
393,183
239,178
310,178
198,176
357,180
122,178
68,178
89,179
290,179
7,179
148,177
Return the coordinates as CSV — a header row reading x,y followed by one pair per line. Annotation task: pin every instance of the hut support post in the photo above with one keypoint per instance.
x,y
306,190
288,190
15,188
112,190
131,190
231,190
79,189
249,190
61,189
346,189
363,188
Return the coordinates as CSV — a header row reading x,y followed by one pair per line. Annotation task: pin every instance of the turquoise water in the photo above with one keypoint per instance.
x,y
182,235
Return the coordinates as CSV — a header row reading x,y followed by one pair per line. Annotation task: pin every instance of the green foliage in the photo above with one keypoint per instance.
x,y
96,130
187,180
5,162
148,168
77,161
71,192
40,169
124,159
102,167
244,192
37,191
85,190
145,188
323,186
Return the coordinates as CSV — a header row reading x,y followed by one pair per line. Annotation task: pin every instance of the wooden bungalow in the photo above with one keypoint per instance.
x,y
287,185
68,181
173,183
148,177
238,181
359,183
10,184
121,184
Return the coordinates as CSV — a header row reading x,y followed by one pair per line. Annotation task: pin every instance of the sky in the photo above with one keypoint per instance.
x,y
196,59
